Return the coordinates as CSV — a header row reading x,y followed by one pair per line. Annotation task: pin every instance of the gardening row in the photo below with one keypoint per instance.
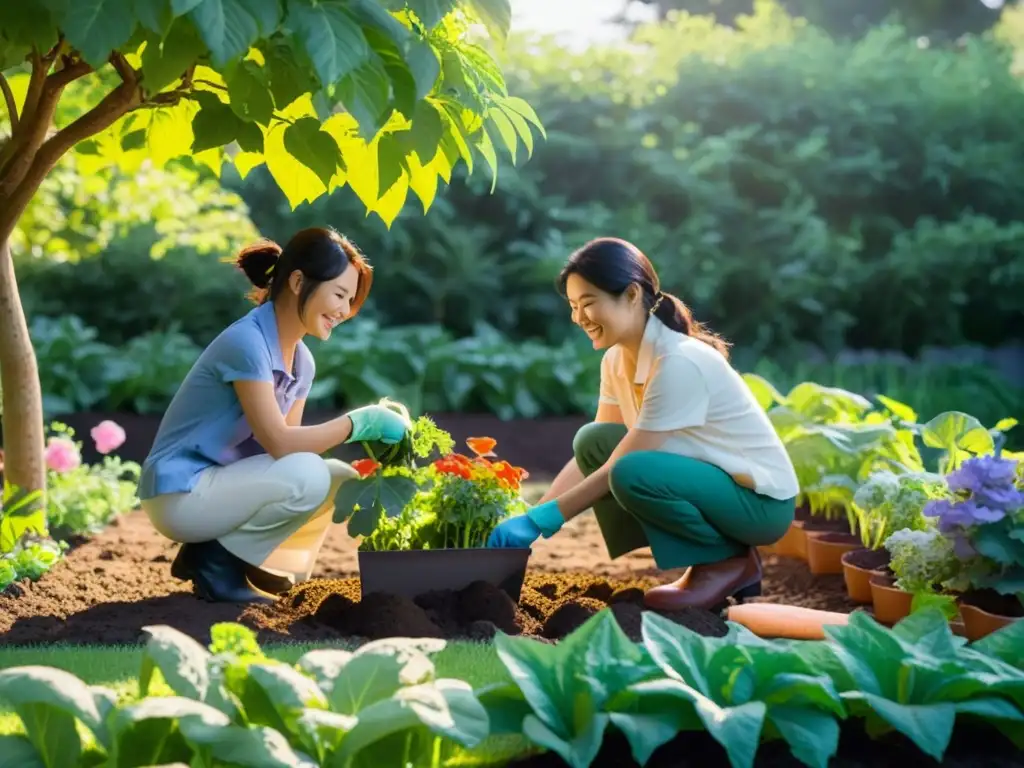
x,y
384,704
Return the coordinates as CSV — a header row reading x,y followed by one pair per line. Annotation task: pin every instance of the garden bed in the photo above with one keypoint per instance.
x,y
117,583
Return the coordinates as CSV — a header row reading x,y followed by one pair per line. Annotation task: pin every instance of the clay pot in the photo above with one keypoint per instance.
x,y
793,543
993,613
891,604
858,567
825,551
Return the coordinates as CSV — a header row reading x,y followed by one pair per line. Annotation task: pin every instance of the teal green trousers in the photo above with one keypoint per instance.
x,y
687,511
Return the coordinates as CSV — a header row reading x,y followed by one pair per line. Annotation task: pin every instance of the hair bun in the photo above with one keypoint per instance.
x,y
258,261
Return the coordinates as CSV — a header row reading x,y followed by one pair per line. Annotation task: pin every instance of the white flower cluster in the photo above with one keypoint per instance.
x,y
877,491
921,560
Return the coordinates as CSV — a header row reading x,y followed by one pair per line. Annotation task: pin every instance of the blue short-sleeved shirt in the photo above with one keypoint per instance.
x,y
204,425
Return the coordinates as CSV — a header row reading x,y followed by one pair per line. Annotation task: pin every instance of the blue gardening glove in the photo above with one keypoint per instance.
x,y
521,531
375,422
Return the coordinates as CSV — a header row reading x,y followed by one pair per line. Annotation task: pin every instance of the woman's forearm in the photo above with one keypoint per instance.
x,y
582,497
569,477
317,438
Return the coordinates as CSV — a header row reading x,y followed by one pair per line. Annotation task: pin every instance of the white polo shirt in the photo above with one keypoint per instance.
x,y
685,387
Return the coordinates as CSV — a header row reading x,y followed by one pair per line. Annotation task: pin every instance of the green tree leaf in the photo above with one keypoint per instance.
x,y
496,15
314,148
181,7
165,59
249,93
97,27
28,24
424,66
288,81
430,12
390,162
229,27
331,36
18,752
371,14
216,125
154,15
365,95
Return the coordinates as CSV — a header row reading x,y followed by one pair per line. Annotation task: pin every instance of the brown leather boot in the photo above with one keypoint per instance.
x,y
708,586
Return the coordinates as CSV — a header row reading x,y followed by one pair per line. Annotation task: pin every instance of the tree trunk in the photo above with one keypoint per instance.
x,y
24,467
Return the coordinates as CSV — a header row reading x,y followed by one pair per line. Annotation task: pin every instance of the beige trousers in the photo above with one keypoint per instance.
x,y
271,513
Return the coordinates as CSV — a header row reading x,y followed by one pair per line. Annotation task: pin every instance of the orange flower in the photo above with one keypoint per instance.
x,y
482,446
365,467
454,465
511,476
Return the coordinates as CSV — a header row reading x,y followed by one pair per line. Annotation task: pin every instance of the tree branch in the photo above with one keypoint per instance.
x,y
68,73
12,107
114,105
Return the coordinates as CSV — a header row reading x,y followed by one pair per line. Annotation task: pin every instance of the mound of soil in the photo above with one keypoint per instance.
x,y
869,559
551,606
113,585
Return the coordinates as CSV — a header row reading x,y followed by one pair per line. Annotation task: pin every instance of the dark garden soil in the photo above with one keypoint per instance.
x,y
869,559
112,586
971,747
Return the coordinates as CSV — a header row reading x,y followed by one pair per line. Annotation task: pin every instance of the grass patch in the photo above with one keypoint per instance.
x,y
117,667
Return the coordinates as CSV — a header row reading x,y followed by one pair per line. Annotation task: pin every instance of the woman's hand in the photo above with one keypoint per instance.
x,y
376,422
521,531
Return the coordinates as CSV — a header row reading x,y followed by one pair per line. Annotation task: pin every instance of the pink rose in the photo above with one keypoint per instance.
x,y
61,454
107,435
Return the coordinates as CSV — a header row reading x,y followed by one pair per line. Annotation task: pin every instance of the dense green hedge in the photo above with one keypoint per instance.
x,y
431,371
793,188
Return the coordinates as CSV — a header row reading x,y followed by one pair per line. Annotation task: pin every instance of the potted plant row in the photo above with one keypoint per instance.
x,y
424,513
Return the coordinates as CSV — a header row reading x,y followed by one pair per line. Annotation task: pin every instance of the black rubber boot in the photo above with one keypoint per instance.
x,y
184,563
220,577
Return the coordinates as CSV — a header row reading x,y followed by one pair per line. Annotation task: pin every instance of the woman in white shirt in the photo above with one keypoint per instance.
x,y
680,458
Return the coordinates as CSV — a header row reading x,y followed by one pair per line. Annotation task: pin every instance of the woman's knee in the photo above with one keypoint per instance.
x,y
626,476
308,477
594,443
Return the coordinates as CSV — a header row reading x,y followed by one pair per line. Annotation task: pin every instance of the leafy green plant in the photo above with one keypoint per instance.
x,y
916,680
564,697
888,502
379,705
29,558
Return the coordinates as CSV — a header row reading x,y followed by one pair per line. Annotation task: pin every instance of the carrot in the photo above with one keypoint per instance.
x,y
790,621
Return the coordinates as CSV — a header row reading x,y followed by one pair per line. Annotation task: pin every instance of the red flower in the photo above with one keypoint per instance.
x,y
365,467
482,446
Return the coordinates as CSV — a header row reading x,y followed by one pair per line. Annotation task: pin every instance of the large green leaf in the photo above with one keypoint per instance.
x,y
813,736
959,434
872,655
146,732
765,394
49,701
496,15
581,746
681,653
374,495
314,148
167,56
217,125
16,751
97,27
276,695
238,745
365,93
182,661
249,93
929,726
331,36
27,24
1004,644
229,27
429,12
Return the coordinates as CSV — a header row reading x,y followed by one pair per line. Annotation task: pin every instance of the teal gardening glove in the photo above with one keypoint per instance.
x,y
376,422
521,531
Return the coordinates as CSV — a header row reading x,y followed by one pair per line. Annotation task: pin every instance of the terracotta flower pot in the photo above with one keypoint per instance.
x,y
890,602
793,543
858,567
984,613
825,551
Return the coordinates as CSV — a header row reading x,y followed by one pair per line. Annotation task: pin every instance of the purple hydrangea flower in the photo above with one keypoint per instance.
x,y
981,514
990,480
962,547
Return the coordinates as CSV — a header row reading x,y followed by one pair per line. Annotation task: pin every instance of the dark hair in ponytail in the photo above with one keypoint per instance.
x,y
319,253
612,265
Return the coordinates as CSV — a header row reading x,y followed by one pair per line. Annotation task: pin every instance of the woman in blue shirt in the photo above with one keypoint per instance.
x,y
250,526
